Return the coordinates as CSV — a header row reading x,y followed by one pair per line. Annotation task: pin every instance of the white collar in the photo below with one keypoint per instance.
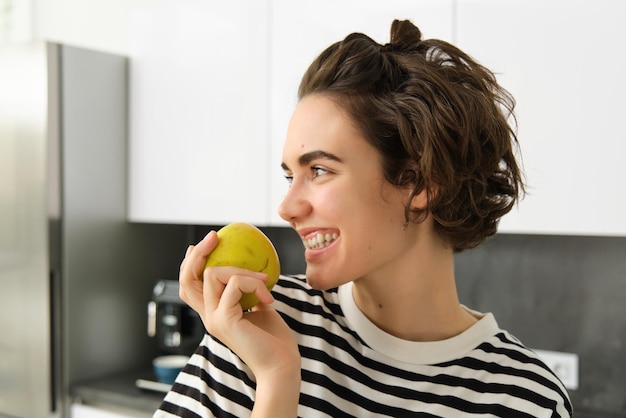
x,y
411,351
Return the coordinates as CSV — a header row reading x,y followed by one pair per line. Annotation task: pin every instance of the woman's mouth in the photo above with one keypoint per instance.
x,y
320,240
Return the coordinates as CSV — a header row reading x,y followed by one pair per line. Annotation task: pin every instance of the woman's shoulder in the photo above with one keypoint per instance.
x,y
311,311
293,292
296,286
510,361
290,280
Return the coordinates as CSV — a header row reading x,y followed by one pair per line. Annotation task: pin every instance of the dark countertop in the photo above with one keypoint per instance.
x,y
119,390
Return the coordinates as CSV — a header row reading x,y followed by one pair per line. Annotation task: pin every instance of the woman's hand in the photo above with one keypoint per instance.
x,y
259,337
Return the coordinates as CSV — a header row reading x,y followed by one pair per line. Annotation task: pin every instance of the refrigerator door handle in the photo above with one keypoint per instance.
x,y
55,343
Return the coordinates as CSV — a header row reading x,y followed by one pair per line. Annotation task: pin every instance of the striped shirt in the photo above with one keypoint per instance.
x,y
352,368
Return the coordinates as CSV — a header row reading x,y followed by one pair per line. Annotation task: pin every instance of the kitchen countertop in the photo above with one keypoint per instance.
x,y
119,390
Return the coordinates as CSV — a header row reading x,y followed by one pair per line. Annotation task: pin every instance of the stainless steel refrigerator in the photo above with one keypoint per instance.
x,y
75,276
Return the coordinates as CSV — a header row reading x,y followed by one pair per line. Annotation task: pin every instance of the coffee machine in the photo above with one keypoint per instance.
x,y
176,327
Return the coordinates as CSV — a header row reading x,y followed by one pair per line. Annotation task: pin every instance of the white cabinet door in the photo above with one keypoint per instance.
x,y
212,89
301,30
564,62
198,113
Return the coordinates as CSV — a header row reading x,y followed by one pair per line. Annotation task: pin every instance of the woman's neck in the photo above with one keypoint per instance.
x,y
415,298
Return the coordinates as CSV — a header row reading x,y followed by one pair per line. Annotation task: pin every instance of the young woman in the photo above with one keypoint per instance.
x,y
398,156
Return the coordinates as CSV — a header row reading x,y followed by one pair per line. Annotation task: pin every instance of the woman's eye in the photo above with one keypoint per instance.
x,y
315,173
318,171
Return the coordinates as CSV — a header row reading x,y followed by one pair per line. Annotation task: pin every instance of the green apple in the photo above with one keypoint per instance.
x,y
245,246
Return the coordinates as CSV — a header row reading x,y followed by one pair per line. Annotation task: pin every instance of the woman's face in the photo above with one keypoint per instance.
x,y
348,216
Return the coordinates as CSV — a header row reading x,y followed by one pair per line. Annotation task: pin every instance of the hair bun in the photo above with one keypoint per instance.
x,y
404,35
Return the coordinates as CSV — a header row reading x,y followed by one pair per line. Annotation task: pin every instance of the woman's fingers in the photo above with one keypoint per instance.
x,y
192,268
214,292
200,253
224,286
238,285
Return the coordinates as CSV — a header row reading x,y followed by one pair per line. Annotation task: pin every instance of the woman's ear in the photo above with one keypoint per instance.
x,y
421,200
419,194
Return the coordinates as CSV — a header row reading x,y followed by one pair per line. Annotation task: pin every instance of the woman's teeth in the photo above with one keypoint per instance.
x,y
320,241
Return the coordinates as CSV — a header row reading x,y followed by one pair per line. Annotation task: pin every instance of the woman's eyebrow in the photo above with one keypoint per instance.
x,y
305,159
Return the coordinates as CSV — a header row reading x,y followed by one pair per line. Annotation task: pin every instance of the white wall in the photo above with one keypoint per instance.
x,y
96,24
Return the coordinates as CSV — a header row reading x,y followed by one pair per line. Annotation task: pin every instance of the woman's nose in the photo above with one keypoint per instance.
x,y
294,204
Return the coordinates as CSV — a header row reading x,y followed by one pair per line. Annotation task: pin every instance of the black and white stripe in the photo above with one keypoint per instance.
x,y
486,373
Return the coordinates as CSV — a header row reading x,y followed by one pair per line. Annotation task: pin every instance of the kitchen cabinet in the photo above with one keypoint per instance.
x,y
563,61
198,114
212,89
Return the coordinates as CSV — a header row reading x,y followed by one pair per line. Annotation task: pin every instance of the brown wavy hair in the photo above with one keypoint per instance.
x,y
439,120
